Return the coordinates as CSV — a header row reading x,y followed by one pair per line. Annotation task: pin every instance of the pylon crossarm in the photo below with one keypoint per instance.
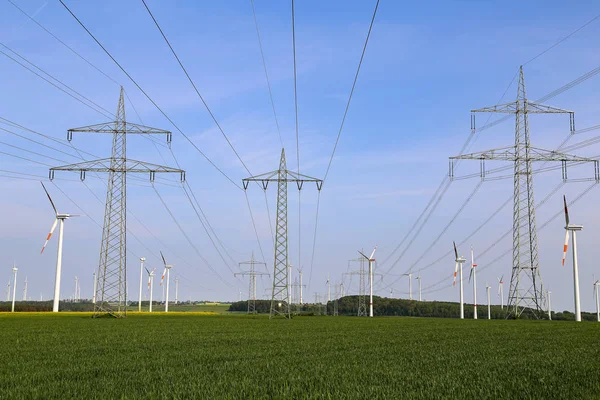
x,y
105,165
507,108
503,153
535,108
125,128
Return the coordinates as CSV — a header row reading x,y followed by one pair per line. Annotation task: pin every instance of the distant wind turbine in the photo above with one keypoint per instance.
x,y
409,284
459,263
487,289
596,285
371,260
150,284
59,218
167,271
419,279
572,228
501,291
473,274
15,269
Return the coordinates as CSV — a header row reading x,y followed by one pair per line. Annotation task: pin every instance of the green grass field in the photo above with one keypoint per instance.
x,y
190,356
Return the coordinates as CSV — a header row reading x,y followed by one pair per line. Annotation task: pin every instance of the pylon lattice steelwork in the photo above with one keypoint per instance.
x,y
526,287
111,296
362,286
252,274
280,294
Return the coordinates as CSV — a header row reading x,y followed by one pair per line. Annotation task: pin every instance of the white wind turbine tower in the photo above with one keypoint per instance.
x,y
94,293
573,228
142,259
76,288
419,279
487,289
371,260
59,218
176,289
25,290
596,284
473,274
167,270
459,263
150,285
301,296
549,306
501,291
409,284
8,291
328,283
15,269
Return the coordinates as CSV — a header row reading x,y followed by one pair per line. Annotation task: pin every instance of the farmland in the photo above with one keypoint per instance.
x,y
187,355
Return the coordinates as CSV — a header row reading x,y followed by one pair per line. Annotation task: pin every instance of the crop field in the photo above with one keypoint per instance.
x,y
189,355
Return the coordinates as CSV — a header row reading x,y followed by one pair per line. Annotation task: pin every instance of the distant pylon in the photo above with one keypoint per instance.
x,y
280,305
252,274
111,296
526,292
362,286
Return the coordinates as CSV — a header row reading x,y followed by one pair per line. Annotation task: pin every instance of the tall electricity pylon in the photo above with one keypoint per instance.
x,y
362,286
252,274
111,296
280,305
526,293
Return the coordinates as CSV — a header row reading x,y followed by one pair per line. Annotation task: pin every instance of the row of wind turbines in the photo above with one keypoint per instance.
x,y
574,228
59,221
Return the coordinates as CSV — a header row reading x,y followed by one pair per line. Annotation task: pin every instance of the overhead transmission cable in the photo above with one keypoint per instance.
x,y
262,55
149,98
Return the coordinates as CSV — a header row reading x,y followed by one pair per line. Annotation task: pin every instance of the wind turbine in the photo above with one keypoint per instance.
x,y
59,218
176,289
501,291
419,279
95,284
371,260
409,284
342,289
487,289
142,259
76,287
167,270
8,291
300,273
25,290
473,274
573,228
459,262
596,284
150,284
15,269
549,307
328,283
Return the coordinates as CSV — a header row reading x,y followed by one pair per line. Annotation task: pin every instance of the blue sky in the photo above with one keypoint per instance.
x,y
426,67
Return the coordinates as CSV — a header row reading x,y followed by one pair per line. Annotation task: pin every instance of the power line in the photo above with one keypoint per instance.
x,y
189,240
63,43
149,98
262,54
352,90
563,39
195,88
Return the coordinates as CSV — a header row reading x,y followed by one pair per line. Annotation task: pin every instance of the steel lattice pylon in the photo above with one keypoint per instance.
x,y
526,287
280,294
362,286
252,282
111,295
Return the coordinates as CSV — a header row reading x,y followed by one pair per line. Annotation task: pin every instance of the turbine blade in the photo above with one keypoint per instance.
x,y
49,198
470,274
566,210
363,255
455,271
566,246
455,251
163,258
147,270
373,253
162,278
49,235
